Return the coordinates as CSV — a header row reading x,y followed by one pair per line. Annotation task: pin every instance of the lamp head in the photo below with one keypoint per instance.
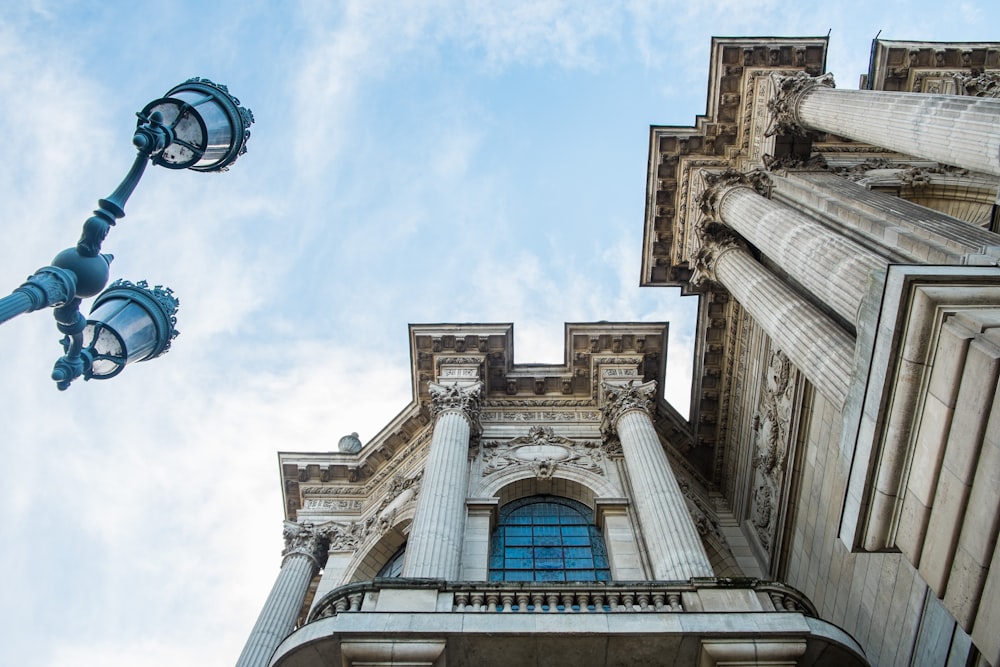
x,y
206,126
129,322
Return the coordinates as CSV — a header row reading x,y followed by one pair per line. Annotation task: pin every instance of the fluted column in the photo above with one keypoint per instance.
x,y
305,553
675,549
829,265
817,346
434,549
959,130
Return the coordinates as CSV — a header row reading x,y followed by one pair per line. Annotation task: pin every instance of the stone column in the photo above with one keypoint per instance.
x,y
829,265
305,553
434,549
958,130
675,549
821,349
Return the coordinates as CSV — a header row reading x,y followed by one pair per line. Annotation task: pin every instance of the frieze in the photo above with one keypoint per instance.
x,y
501,416
333,504
459,360
544,452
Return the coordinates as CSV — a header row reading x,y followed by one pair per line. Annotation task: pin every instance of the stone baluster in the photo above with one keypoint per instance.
x,y
434,549
820,348
832,267
674,547
305,553
958,130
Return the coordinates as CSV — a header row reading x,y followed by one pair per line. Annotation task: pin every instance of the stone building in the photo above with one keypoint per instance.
x,y
831,498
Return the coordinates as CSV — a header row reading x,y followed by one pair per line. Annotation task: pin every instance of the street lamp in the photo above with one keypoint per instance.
x,y
197,125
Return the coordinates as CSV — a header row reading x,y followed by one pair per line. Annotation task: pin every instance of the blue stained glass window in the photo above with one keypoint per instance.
x,y
547,538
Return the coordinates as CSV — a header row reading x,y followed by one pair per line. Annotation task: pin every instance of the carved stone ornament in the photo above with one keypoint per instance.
x,y
763,499
704,520
788,92
714,239
621,398
306,539
718,183
814,162
396,487
771,423
464,398
986,84
543,451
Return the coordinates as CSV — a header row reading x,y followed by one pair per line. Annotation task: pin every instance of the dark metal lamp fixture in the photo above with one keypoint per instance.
x,y
198,125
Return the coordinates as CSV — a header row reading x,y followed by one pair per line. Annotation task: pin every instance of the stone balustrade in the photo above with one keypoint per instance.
x,y
697,595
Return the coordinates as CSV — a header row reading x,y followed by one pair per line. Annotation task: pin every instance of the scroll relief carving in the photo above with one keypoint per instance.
x,y
771,442
542,451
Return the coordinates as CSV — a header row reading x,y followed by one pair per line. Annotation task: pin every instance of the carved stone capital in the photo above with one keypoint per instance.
x,y
788,93
306,539
622,398
466,399
985,84
714,240
719,183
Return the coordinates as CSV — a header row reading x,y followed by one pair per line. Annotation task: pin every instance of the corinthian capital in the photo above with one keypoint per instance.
x,y
306,539
714,240
620,398
464,398
718,183
986,84
788,92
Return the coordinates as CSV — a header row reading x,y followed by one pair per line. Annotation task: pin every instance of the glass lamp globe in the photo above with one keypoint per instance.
x,y
129,322
208,126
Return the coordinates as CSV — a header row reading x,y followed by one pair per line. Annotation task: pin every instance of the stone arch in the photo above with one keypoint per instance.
x,y
522,481
370,558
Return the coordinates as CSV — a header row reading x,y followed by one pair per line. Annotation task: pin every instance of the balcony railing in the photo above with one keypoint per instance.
x,y
696,595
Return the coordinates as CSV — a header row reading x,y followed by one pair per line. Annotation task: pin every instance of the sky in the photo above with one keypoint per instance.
x,y
411,162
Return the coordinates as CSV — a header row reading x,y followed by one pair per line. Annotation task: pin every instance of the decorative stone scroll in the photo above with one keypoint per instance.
x,y
788,92
543,451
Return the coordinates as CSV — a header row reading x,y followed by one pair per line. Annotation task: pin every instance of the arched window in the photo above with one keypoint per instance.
x,y
547,538
394,566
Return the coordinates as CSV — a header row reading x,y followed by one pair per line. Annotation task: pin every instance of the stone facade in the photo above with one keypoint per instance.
x,y
830,500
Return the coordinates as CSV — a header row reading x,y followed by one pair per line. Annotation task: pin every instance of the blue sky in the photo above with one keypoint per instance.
x,y
411,162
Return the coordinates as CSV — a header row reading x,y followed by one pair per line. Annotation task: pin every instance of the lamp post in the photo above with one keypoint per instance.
x,y
197,125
